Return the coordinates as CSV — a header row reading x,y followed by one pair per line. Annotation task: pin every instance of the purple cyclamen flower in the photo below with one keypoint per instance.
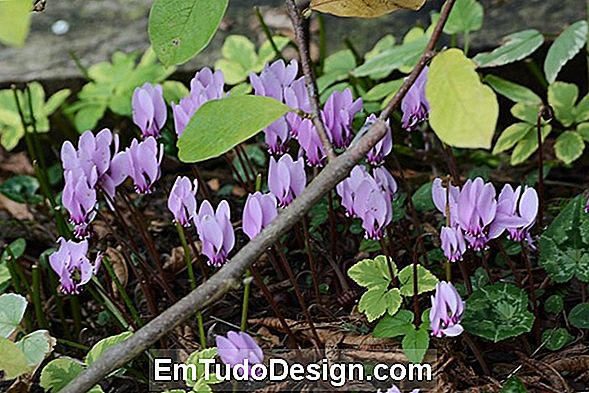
x,y
415,106
215,232
143,160
259,211
311,144
514,213
476,211
205,86
79,199
149,109
239,348
271,83
94,155
182,200
453,243
72,265
446,200
338,115
348,187
286,179
383,148
385,180
296,96
374,207
395,389
446,312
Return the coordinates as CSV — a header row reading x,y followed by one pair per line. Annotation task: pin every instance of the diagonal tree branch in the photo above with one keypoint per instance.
x,y
230,275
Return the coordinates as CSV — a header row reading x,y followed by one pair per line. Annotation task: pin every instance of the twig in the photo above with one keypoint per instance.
x,y
229,276
310,81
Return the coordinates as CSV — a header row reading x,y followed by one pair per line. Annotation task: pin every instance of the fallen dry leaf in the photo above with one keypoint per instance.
x,y
364,8
20,211
119,266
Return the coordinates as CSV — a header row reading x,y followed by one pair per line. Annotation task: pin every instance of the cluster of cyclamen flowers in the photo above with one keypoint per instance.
x,y
474,215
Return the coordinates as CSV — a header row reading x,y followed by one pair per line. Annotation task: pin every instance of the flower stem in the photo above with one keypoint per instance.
x,y
41,321
188,261
122,292
246,296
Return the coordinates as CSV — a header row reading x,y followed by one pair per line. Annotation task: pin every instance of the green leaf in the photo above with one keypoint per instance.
x,y
562,97
581,111
59,372
564,244
15,21
569,146
528,145
12,361
36,346
422,198
98,349
554,304
17,249
21,189
498,312
510,136
220,125
382,90
564,48
392,59
514,385
512,91
366,245
463,111
393,326
12,310
386,42
378,300
466,16
556,339
337,68
192,380
579,316
515,47
371,273
426,281
180,29
583,130
416,343
526,112
55,101
174,91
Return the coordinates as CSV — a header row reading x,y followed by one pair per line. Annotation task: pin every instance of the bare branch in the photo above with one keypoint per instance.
x,y
229,276
303,44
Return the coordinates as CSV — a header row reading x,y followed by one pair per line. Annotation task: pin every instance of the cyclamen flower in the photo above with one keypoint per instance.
x,y
72,265
296,96
79,199
415,106
286,179
149,109
514,214
311,144
453,243
373,206
439,196
259,211
476,211
348,187
239,348
182,200
446,312
271,83
385,180
205,86
215,232
338,115
144,159
383,148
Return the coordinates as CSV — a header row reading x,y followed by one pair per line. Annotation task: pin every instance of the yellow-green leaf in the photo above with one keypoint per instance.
x,y
569,146
364,8
12,361
15,21
464,111
510,136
